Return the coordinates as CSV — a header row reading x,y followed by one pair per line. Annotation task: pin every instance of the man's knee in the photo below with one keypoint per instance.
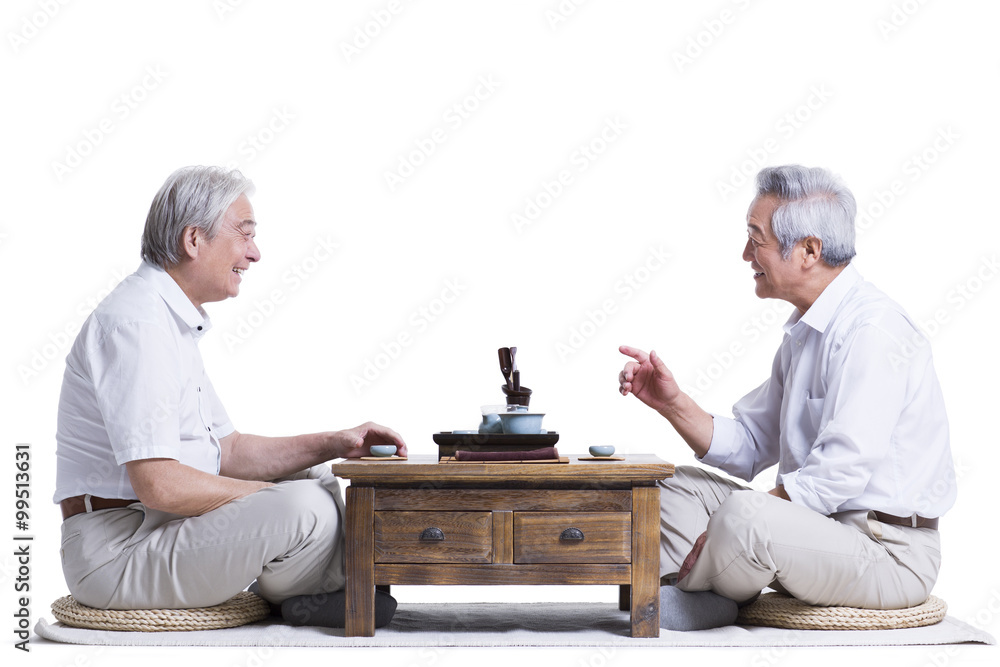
x,y
740,513
305,504
696,482
683,476
684,481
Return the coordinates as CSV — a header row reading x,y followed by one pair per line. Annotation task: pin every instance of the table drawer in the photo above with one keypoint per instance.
x,y
433,537
576,537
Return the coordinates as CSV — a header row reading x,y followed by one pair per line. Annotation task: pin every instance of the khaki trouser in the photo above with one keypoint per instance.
x,y
756,540
289,537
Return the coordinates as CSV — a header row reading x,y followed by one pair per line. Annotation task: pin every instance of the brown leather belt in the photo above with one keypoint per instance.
x,y
908,521
78,505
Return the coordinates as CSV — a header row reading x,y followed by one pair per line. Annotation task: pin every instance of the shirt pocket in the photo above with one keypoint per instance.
x,y
814,414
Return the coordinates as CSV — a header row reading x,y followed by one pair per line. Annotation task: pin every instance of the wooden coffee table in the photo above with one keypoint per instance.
x,y
422,522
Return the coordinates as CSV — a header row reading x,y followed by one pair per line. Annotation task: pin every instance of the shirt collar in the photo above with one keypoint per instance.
x,y
175,298
823,308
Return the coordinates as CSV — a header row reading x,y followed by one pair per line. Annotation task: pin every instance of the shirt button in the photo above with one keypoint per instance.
x,y
199,327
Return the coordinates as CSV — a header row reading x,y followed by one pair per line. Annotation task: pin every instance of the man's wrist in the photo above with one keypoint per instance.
x,y
691,422
674,410
333,444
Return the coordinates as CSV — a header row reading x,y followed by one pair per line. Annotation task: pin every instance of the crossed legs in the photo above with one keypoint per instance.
x,y
754,540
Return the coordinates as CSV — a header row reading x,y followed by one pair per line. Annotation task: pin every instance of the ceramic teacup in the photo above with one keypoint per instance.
x,y
522,423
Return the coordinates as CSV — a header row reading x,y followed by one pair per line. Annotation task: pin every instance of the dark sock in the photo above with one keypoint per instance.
x,y
328,609
699,610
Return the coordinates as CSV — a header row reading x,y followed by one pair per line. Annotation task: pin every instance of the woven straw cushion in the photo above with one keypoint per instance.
x,y
780,611
243,608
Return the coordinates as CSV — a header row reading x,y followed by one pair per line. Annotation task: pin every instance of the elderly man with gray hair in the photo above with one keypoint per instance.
x,y
852,414
164,503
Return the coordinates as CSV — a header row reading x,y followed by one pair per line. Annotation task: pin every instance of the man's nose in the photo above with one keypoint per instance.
x,y
748,252
253,252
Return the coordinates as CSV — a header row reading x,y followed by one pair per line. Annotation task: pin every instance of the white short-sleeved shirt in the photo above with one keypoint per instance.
x,y
135,388
852,414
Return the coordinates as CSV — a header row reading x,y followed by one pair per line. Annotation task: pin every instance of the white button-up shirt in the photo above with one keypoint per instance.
x,y
852,413
135,388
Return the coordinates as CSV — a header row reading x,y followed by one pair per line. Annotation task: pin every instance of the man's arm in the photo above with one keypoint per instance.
x,y
247,461
170,486
255,457
741,446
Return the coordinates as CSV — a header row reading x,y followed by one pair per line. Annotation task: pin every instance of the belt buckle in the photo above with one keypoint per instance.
x,y
913,520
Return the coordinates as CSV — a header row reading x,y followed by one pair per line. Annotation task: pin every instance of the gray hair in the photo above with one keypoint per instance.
x,y
191,197
814,202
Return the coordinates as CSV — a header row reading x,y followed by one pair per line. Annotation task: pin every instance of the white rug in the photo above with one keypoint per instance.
x,y
495,624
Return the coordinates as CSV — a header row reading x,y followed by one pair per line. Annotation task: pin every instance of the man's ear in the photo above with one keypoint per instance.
x,y
812,250
191,241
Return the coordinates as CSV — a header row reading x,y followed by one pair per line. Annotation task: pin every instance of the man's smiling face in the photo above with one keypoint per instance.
x,y
774,276
223,259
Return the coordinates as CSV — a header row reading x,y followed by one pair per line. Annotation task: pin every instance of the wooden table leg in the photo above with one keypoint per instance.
x,y
645,561
624,597
359,561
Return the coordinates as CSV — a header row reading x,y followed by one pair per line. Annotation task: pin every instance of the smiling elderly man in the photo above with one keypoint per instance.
x,y
859,437
165,504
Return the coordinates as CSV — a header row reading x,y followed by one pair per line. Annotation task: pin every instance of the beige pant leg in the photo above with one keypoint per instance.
x,y
687,501
756,540
288,537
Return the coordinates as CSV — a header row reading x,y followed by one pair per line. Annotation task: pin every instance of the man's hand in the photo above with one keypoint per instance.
x,y
648,379
779,491
692,557
356,442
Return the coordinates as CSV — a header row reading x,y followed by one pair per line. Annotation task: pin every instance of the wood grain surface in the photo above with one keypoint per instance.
x,y
607,537
468,537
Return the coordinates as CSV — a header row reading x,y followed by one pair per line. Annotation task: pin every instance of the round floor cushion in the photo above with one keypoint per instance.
x,y
243,608
780,611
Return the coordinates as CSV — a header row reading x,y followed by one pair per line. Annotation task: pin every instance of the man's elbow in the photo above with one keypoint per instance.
x,y
154,482
155,500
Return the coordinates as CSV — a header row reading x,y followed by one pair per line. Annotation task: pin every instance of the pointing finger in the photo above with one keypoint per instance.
x,y
634,352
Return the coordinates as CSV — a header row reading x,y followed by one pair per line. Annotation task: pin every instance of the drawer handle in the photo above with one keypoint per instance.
x,y
432,535
571,535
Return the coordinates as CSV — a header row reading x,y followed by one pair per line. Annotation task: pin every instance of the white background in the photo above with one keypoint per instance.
x,y
678,104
